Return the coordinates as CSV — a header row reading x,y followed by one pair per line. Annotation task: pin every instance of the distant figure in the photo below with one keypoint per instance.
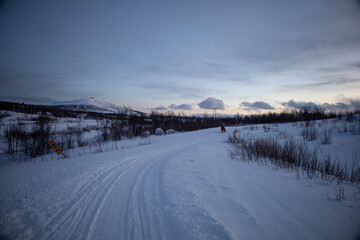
x,y
223,129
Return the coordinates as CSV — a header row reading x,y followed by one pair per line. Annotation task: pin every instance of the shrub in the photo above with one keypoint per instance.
x,y
65,141
116,130
76,132
4,114
13,138
293,155
145,142
309,123
104,134
354,174
354,129
325,136
35,143
266,128
339,191
309,133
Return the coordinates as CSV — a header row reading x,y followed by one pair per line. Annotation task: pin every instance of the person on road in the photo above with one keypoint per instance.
x,y
223,129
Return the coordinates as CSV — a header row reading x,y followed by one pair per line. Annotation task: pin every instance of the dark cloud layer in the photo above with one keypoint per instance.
x,y
258,105
30,100
178,51
161,108
348,104
299,104
181,106
173,90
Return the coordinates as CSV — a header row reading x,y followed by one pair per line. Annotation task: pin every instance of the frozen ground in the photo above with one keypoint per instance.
x,y
181,186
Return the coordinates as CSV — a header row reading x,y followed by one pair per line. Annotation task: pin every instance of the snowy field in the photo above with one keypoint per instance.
x,y
179,186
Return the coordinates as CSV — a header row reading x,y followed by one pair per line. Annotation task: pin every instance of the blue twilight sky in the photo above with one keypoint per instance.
x,y
251,55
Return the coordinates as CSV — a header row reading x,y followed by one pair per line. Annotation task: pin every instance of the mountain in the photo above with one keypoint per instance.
x,y
90,105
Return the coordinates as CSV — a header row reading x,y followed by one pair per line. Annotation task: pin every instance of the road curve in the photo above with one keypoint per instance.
x,y
133,198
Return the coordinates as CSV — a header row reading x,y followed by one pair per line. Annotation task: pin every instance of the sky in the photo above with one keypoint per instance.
x,y
190,55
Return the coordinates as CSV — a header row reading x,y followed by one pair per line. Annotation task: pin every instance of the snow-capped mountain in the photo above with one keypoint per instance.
x,y
90,105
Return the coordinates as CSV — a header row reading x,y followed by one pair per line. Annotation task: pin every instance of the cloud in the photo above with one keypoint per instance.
x,y
355,103
181,107
212,103
299,104
174,89
352,103
259,52
28,100
256,105
161,108
328,81
355,65
347,104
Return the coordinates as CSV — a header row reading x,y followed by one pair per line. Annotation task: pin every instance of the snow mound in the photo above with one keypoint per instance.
x,y
159,131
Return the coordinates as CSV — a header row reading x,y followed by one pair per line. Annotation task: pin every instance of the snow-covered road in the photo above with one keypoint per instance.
x,y
181,186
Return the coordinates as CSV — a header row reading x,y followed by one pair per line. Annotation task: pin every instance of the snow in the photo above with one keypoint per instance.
x,y
91,104
179,186
170,131
159,131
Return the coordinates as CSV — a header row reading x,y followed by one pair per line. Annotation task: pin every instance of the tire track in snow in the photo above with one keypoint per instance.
x,y
148,216
105,198
85,197
143,176
80,190
132,213
136,213
152,177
